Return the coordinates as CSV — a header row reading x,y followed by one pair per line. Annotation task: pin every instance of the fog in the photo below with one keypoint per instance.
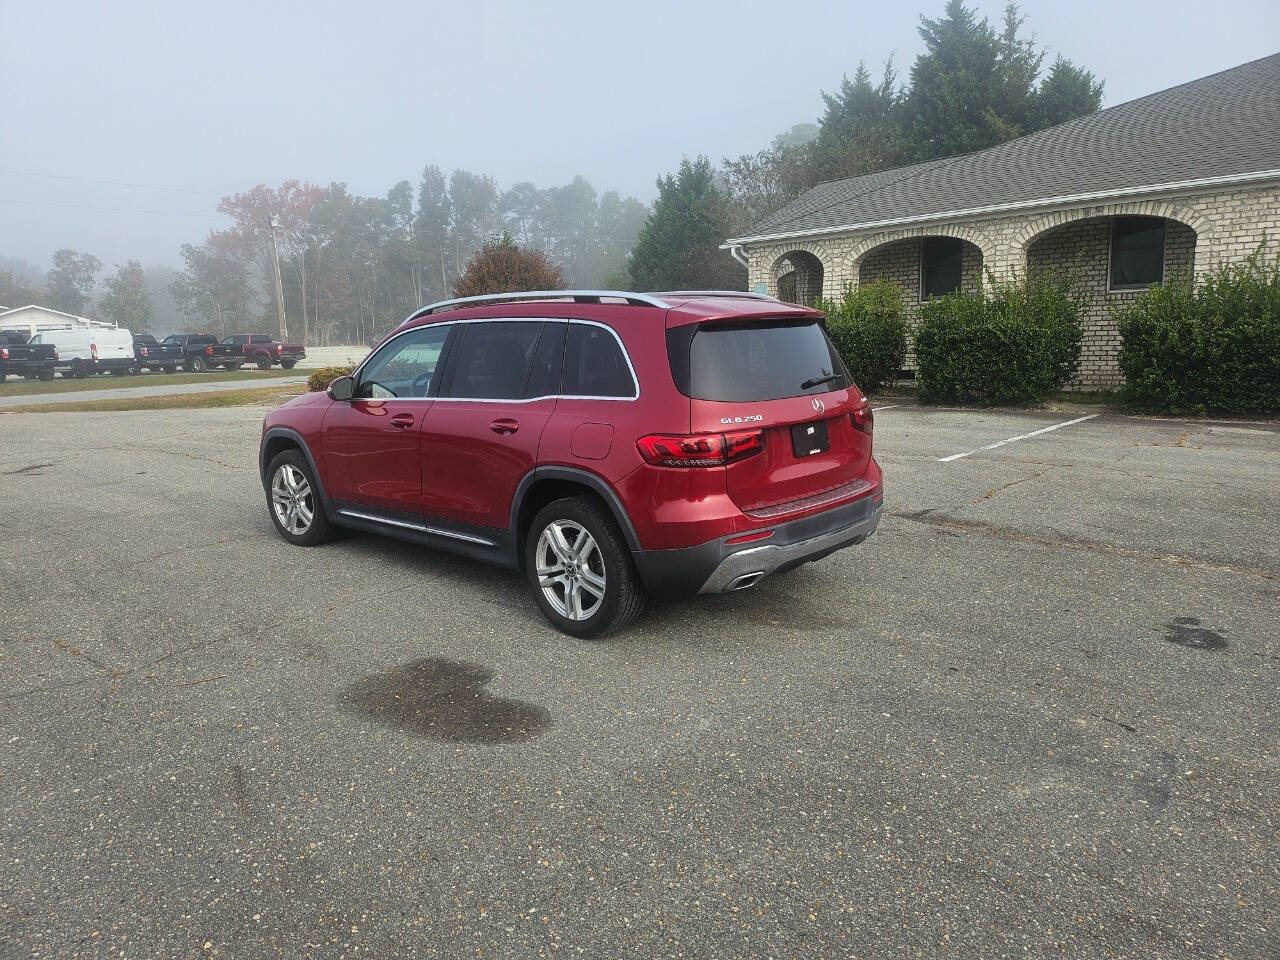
x,y
125,122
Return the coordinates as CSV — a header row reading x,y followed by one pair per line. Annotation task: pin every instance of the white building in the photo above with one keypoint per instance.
x,y
32,319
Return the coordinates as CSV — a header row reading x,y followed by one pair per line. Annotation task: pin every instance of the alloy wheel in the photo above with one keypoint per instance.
x,y
292,499
570,570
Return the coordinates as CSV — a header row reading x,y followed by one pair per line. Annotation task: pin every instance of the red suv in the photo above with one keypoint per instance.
x,y
610,445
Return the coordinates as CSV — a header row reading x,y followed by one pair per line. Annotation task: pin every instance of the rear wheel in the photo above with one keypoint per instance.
x,y
294,500
264,362
198,364
581,570
288,364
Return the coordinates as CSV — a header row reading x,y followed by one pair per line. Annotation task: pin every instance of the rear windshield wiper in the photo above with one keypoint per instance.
x,y
819,380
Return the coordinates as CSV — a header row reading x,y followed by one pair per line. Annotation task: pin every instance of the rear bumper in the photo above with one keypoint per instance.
x,y
719,567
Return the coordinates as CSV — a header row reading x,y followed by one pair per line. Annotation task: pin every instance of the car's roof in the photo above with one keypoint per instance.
x,y
680,309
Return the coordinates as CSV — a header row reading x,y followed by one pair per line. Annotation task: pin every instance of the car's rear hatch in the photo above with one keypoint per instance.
x,y
780,379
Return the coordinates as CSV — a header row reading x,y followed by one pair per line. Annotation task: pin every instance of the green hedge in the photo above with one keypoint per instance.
x,y
1211,348
1007,343
321,378
868,329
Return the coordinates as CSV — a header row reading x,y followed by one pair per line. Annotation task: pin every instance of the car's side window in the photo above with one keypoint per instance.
x,y
492,361
546,369
594,365
404,367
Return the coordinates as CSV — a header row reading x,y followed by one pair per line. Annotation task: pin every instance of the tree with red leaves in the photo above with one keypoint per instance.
x,y
503,266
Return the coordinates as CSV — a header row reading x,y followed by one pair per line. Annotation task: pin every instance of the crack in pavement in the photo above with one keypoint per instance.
x,y
954,525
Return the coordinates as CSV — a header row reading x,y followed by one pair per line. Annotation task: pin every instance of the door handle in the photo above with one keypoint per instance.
x,y
402,420
505,425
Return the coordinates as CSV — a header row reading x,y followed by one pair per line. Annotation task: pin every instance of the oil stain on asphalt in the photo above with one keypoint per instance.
x,y
1187,632
445,700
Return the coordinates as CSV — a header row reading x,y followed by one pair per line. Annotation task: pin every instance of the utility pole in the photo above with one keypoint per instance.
x,y
275,264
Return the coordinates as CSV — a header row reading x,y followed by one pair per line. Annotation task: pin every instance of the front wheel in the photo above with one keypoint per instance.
x,y
580,569
294,500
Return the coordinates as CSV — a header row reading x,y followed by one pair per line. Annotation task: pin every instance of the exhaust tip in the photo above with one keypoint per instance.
x,y
744,581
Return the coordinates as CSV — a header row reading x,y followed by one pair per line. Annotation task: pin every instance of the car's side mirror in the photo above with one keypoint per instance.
x,y
342,388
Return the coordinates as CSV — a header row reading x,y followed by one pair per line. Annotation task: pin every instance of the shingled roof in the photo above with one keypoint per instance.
x,y
1220,128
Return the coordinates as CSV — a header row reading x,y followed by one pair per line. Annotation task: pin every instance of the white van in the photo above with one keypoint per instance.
x,y
83,351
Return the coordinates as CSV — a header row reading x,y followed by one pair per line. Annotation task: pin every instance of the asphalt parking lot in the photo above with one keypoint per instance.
x,y
1035,715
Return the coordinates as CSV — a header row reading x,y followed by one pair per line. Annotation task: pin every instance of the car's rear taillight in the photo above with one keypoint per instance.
x,y
56,355
700,450
279,349
208,351
93,350
4,353
862,419
144,351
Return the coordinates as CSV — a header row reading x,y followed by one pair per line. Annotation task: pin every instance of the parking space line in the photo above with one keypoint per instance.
x,y
1024,436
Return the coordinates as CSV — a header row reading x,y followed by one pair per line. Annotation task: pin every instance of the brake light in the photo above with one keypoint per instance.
x,y
862,419
279,349
700,450
93,350
208,351
4,353
144,351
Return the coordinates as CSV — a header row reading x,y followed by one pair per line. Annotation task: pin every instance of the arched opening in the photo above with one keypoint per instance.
x,y
923,267
1109,261
799,277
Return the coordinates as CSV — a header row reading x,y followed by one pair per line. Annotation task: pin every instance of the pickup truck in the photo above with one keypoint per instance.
x,y
152,355
201,352
261,349
21,359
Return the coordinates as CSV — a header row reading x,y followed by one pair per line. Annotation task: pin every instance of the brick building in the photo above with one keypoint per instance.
x,y
1174,182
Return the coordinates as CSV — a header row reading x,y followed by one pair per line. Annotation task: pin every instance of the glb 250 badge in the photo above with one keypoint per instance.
x,y
751,418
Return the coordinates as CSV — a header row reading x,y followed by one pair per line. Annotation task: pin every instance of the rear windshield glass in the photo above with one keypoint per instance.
x,y
754,361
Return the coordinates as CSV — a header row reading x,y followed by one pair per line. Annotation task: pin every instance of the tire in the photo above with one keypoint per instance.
x,y
198,365
118,371
263,362
46,375
288,364
286,464
78,370
171,368
623,596
233,367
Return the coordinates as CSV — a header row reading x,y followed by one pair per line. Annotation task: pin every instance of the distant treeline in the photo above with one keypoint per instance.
x,y
354,265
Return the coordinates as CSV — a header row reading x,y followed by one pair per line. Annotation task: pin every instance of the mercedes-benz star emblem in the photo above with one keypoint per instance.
x,y
818,405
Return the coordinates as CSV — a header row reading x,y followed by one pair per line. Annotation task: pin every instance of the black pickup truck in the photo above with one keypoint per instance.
x,y
201,352
21,359
150,354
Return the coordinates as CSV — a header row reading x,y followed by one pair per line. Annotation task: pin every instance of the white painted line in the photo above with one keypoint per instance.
x,y
1001,443
886,407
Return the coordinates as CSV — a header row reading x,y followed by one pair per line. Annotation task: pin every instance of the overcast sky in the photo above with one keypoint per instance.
x,y
212,98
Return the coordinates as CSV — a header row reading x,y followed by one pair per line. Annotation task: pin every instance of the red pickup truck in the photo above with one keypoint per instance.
x,y
261,349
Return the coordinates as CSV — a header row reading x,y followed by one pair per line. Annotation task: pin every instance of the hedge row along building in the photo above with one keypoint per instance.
x,y
1177,181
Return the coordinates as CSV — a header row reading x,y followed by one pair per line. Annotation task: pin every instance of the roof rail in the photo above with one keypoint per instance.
x,y
730,294
578,296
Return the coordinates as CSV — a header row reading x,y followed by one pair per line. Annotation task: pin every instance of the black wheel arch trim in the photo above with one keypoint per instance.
x,y
586,478
301,442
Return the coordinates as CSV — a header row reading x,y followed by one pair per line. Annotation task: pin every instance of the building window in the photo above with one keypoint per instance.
x,y
1137,252
941,259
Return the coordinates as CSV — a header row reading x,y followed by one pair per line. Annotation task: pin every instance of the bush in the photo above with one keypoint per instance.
x,y
868,330
1211,348
502,266
1013,343
321,378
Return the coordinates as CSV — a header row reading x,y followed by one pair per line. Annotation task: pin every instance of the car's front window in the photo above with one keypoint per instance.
x,y
405,367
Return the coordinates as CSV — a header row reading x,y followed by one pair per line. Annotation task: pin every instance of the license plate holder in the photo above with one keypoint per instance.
x,y
808,439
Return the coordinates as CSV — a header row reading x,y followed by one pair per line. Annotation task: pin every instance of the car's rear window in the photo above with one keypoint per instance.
x,y
760,360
